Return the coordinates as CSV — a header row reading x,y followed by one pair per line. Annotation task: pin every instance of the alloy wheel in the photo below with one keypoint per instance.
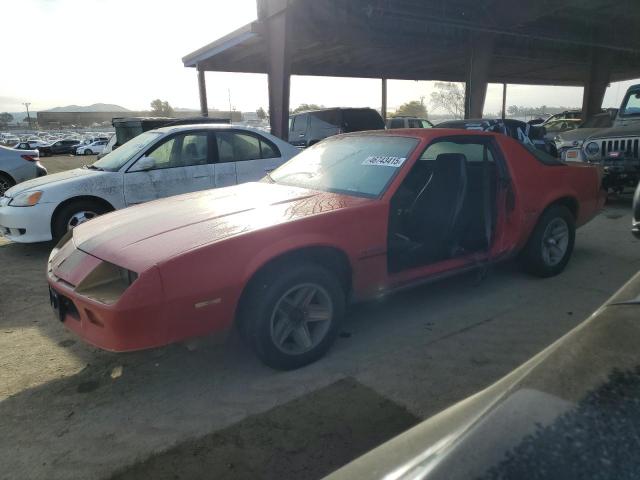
x,y
555,242
301,319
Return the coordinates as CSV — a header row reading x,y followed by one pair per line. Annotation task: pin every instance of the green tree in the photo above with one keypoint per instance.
x,y
261,113
307,106
413,108
449,97
5,118
161,108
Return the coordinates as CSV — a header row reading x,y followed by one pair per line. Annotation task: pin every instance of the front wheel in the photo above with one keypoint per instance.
x,y
74,214
88,152
550,246
5,183
291,316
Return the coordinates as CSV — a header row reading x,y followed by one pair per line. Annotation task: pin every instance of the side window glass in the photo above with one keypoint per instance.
x,y
474,152
397,123
414,123
300,123
194,150
268,150
237,147
163,154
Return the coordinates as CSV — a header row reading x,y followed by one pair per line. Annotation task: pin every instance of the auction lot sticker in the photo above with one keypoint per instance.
x,y
384,161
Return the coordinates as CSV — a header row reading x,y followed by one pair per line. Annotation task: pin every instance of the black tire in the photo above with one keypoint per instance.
x,y
62,217
260,302
6,182
88,152
533,256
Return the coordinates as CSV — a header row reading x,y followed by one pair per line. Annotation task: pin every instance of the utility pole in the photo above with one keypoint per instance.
x,y
230,115
26,104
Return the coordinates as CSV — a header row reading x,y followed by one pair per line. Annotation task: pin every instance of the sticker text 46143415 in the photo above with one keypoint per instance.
x,y
384,161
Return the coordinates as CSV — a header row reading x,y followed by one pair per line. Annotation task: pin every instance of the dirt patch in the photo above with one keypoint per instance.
x,y
306,438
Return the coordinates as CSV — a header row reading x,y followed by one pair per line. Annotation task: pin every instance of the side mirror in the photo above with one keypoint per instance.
x,y
145,164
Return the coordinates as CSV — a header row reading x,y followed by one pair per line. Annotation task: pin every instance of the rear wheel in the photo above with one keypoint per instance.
x,y
550,246
291,315
74,214
6,183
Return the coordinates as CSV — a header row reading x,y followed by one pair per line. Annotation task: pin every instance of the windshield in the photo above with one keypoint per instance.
x,y
354,165
114,161
631,106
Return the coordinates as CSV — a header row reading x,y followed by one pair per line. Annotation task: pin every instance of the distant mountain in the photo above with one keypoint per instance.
x,y
96,107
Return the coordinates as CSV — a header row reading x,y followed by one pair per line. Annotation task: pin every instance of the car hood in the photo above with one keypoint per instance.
x,y
62,178
149,234
631,130
577,134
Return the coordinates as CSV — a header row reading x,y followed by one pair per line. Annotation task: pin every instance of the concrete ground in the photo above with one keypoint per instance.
x,y
211,410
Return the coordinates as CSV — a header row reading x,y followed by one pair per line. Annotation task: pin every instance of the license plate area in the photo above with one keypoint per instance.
x,y
57,304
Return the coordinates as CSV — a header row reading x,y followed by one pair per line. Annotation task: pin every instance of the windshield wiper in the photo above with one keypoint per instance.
x,y
93,167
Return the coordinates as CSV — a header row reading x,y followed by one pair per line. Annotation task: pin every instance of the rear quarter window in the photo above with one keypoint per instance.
x,y
359,120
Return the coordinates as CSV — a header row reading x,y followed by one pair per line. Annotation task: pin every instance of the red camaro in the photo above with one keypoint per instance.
x,y
351,218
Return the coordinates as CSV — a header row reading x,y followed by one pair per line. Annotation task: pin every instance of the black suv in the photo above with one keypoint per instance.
x,y
307,128
59,148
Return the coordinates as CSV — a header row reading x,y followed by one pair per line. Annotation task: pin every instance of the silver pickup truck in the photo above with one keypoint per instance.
x,y
616,148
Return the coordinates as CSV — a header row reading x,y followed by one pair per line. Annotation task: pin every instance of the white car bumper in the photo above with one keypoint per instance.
x,y
26,224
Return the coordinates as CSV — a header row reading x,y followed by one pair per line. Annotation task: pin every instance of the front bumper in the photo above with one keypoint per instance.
x,y
127,325
26,224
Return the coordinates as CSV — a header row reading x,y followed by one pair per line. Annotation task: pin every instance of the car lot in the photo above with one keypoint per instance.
x,y
209,407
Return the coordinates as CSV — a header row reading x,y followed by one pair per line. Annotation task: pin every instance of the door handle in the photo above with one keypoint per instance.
x,y
269,170
301,135
201,176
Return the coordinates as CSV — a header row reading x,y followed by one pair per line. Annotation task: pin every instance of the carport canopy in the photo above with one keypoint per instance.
x,y
587,43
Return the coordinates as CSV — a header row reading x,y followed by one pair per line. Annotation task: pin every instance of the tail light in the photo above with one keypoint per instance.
x,y
30,158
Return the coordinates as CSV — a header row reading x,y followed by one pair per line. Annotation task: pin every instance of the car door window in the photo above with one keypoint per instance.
x,y
181,151
237,147
414,123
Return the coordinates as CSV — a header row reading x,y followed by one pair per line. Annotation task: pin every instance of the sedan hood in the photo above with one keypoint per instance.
x,y
56,178
146,235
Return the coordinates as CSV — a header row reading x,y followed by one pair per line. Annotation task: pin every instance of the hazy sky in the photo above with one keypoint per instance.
x,y
129,52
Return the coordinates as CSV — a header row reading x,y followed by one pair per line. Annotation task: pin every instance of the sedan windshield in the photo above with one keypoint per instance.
x,y
114,161
361,165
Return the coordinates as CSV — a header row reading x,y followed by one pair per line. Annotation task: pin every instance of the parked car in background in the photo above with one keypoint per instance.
x,y
60,147
408,122
574,138
555,127
351,218
568,413
516,129
567,114
30,145
617,148
308,128
91,148
159,163
17,166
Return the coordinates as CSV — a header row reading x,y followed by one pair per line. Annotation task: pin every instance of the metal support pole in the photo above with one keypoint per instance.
x,y
279,68
480,53
26,104
383,107
504,101
202,89
596,85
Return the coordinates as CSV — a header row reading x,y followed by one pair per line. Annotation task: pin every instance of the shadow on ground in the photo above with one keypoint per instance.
x,y
306,438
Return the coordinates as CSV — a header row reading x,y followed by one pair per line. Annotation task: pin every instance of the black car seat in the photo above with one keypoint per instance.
x,y
436,211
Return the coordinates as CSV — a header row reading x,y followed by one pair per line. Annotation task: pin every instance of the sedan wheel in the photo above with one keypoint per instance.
x,y
5,184
88,152
80,217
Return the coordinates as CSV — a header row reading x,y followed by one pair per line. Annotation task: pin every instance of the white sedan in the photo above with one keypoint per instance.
x,y
156,164
91,148
17,166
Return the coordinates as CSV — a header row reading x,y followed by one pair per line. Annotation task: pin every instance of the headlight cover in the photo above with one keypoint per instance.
x,y
106,283
26,199
592,148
